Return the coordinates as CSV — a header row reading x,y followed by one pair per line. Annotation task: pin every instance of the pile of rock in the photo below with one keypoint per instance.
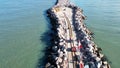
x,y
87,51
57,57
91,54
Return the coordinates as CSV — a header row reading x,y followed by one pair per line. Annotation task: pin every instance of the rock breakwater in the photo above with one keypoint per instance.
x,y
72,44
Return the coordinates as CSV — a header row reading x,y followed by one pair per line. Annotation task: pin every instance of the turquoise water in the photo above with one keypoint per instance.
x,y
103,18
22,23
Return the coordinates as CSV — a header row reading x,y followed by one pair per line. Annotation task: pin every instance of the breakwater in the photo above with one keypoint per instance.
x,y
72,45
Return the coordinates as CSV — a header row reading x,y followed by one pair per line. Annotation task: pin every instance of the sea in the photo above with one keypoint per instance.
x,y
24,23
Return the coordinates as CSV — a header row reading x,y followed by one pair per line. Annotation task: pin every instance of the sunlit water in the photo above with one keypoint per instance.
x,y
22,23
103,18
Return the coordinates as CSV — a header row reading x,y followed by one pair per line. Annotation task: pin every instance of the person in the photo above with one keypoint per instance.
x,y
74,49
81,64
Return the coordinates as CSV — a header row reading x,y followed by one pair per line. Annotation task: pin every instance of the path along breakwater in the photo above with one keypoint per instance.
x,y
72,44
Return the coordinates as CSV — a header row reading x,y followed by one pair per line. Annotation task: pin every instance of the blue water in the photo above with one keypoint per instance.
x,y
103,18
22,24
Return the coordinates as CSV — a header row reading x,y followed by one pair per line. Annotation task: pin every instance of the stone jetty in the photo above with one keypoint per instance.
x,y
72,43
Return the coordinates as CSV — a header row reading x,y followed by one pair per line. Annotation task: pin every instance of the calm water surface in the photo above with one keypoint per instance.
x,y
22,23
103,18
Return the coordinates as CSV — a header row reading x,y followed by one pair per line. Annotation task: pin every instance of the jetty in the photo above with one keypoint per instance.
x,y
72,44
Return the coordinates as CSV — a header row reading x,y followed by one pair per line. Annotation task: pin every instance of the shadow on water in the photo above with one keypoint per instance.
x,y
44,38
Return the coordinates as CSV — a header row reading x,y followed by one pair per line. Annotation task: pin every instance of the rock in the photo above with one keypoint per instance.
x,y
47,65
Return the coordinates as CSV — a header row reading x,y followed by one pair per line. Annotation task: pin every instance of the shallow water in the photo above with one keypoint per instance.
x,y
103,18
22,23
